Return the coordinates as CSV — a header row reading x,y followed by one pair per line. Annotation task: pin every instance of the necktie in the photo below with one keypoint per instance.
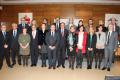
x,y
99,35
108,37
62,32
52,34
4,34
14,33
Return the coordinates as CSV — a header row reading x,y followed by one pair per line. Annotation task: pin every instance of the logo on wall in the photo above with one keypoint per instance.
x,y
27,16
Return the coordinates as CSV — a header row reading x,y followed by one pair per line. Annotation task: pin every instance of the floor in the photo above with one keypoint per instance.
x,y
38,73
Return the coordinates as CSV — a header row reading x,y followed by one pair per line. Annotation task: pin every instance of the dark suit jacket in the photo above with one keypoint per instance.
x,y
34,42
14,40
41,37
63,39
20,27
52,41
94,40
3,40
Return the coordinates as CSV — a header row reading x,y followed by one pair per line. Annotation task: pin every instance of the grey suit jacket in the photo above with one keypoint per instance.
x,y
113,41
52,41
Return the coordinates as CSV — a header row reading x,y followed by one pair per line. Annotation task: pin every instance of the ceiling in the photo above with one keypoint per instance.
x,y
101,2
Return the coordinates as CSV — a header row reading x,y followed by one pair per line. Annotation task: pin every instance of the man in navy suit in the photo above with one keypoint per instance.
x,y
63,33
4,47
14,45
23,25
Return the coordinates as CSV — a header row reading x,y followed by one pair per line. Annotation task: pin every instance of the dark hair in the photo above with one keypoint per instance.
x,y
83,28
53,24
79,22
62,23
97,28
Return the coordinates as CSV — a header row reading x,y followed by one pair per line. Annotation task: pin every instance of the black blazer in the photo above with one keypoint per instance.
x,y
41,37
34,42
94,40
3,40
20,27
14,40
63,39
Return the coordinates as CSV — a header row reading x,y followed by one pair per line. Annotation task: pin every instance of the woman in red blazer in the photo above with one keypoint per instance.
x,y
81,46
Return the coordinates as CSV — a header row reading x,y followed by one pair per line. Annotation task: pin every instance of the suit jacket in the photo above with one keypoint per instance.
x,y
101,41
20,27
63,39
14,40
3,40
113,40
93,44
34,41
57,26
41,37
52,41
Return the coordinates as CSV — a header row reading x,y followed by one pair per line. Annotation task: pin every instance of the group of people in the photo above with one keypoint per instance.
x,y
55,42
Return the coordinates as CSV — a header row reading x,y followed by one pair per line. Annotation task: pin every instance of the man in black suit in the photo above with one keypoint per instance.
x,y
116,28
52,40
4,46
57,23
34,46
14,45
23,25
63,33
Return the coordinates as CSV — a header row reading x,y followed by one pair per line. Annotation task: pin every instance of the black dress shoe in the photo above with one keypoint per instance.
x,y
42,66
95,66
103,68
35,64
49,67
58,66
88,67
108,69
19,63
0,68
72,68
76,66
10,66
54,67
63,66
32,65
13,64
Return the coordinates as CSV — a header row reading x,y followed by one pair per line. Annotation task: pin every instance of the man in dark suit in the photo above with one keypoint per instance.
x,y
110,47
57,23
116,28
62,45
34,46
23,25
4,46
52,40
14,45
